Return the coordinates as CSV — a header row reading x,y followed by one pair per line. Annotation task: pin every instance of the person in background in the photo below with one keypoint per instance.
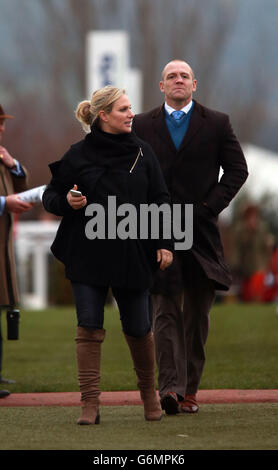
x,y
191,142
13,179
110,161
252,251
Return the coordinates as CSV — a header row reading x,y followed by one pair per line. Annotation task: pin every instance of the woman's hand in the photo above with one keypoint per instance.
x,y
164,257
76,202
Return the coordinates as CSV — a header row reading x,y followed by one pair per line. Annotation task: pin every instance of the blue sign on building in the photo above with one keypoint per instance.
x,y
107,69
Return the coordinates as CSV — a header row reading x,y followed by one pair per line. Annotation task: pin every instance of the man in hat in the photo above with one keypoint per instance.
x,y
12,180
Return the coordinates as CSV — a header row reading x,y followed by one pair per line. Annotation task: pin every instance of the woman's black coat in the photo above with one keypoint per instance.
x,y
100,166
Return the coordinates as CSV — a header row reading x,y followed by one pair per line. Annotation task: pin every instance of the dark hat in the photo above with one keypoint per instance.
x,y
3,115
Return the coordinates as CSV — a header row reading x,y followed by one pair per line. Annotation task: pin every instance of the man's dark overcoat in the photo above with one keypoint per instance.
x,y
192,176
9,184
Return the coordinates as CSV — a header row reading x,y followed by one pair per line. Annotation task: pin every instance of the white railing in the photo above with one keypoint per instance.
x,y
32,242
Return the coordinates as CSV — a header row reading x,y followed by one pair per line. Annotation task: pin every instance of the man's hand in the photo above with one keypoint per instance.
x,y
165,258
16,205
76,202
6,158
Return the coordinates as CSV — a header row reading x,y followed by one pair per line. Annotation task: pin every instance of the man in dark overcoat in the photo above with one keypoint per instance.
x,y
13,179
192,143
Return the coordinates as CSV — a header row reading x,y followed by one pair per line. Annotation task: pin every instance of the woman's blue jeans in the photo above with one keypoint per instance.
x,y
133,306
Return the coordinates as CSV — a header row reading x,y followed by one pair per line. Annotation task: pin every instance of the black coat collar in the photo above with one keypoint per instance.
x,y
106,150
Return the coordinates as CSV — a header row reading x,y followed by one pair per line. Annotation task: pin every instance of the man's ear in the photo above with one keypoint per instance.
x,y
161,86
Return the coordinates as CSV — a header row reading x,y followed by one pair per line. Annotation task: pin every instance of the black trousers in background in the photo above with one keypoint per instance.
x,y
6,308
133,306
1,346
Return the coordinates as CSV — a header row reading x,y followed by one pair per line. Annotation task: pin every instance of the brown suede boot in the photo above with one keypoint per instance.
x,y
88,353
142,353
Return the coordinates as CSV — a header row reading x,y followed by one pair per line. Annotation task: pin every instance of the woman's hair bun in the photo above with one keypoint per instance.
x,y
83,114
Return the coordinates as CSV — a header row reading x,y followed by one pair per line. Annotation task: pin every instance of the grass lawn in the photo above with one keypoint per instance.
x,y
241,351
216,427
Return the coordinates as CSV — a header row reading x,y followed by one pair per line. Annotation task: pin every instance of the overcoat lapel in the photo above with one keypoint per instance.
x,y
160,127
195,124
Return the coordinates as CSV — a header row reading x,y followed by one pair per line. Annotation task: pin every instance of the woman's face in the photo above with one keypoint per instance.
x,y
119,120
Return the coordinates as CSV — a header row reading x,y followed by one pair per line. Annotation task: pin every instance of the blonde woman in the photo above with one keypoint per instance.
x,y
109,161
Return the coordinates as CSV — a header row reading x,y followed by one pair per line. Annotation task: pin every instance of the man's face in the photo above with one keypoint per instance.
x,y
2,128
178,83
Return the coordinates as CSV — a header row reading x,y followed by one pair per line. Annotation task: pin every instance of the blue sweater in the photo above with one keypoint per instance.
x,y
178,129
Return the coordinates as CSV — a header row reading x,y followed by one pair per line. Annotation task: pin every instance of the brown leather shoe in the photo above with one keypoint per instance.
x,y
189,404
170,403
